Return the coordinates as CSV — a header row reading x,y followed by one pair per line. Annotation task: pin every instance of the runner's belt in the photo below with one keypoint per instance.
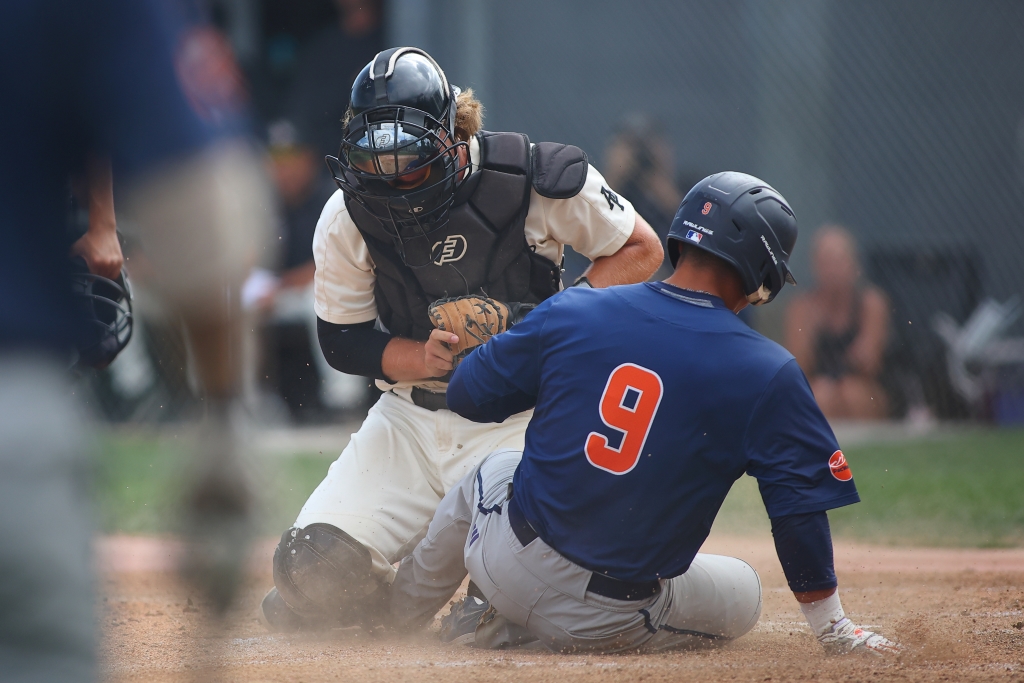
x,y
599,583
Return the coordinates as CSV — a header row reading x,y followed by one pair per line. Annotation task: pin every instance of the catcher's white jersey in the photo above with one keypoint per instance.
x,y
385,486
596,222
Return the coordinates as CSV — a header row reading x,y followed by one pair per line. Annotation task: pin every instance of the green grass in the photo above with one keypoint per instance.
x,y
963,490
139,484
297,476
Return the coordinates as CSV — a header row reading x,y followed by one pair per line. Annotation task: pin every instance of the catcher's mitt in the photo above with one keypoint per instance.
x,y
473,318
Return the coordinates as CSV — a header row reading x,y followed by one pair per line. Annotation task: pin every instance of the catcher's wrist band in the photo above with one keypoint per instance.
x,y
356,349
582,281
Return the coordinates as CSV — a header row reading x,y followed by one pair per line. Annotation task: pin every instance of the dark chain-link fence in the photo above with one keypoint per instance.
x,y
903,122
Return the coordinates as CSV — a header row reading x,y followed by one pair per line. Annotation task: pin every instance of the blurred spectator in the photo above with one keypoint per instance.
x,y
838,331
639,162
639,159
283,30
294,167
295,367
335,55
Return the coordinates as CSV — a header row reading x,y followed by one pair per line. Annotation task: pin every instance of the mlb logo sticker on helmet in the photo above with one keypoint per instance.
x,y
840,470
694,236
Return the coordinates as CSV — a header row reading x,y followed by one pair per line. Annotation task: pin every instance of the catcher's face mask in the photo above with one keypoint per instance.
x,y
389,149
399,159
402,166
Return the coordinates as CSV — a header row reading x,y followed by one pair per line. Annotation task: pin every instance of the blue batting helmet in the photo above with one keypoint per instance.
x,y
743,221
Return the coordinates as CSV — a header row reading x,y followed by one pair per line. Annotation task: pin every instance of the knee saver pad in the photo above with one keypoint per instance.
x,y
320,570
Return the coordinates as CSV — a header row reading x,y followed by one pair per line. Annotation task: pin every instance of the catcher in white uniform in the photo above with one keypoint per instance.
x,y
429,207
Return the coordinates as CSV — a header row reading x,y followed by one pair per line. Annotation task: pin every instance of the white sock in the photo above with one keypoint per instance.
x,y
823,614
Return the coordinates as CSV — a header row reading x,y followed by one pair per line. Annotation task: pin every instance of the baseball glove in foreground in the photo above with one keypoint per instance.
x,y
473,319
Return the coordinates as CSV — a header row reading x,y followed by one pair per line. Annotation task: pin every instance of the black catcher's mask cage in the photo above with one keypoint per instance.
x,y
401,163
106,307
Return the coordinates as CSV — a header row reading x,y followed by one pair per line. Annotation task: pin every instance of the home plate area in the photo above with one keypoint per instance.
x,y
958,613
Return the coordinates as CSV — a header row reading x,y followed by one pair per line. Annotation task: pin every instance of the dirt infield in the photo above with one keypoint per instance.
x,y
959,613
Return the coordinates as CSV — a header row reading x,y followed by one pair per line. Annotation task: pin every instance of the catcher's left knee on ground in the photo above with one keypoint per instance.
x,y
321,572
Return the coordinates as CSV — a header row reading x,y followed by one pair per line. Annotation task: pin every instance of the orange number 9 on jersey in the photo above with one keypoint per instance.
x,y
628,412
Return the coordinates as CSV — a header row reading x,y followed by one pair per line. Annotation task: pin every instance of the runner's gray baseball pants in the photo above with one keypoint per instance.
x,y
717,600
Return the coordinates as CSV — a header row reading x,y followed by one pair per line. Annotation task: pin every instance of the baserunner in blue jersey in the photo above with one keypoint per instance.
x,y
650,401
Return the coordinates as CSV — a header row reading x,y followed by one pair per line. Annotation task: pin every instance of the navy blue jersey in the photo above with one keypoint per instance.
x,y
138,81
650,402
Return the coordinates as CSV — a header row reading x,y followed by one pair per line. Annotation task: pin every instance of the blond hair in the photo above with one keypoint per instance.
x,y
469,116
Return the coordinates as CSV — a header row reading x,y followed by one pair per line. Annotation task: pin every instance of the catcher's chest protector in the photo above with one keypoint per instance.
x,y
483,248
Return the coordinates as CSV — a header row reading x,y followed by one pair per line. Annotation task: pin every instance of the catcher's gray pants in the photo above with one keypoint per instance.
x,y
716,600
46,581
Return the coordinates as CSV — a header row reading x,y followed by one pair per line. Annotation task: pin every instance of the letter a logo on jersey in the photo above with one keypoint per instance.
x,y
840,470
628,405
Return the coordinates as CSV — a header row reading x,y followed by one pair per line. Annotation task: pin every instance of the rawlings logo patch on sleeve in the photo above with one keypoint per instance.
x,y
840,470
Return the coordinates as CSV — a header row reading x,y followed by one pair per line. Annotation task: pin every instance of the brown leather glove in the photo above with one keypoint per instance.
x,y
474,319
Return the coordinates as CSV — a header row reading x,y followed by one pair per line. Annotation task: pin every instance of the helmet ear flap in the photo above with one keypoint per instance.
x,y
763,293
762,296
672,248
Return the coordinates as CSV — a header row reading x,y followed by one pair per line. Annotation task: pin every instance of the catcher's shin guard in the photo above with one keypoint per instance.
x,y
325,576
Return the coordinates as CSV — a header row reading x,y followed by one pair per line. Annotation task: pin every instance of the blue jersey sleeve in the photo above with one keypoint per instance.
x,y
502,377
792,452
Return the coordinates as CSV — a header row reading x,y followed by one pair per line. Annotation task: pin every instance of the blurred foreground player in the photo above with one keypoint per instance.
x,y
98,246
100,286
107,79
429,207
641,426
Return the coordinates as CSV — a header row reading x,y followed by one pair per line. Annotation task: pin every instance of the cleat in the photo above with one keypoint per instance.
x,y
458,627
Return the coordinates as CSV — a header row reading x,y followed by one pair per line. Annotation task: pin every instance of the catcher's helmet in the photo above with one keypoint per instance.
x,y
105,306
399,157
744,221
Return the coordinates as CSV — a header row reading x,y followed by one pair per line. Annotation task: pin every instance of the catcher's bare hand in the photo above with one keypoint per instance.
x,y
437,354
